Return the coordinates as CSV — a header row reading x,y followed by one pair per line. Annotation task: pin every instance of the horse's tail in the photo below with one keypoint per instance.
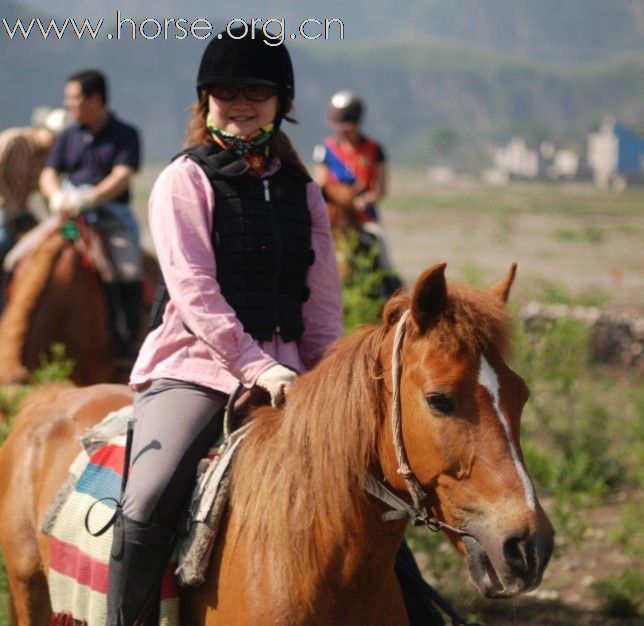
x,y
26,290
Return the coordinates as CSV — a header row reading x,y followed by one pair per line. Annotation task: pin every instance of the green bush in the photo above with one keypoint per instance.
x,y
360,286
4,594
627,531
622,595
10,402
569,424
54,367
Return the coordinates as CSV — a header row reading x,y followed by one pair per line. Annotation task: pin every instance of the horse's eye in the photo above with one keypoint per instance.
x,y
440,403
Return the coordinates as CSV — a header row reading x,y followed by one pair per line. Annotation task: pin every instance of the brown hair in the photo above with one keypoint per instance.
x,y
281,147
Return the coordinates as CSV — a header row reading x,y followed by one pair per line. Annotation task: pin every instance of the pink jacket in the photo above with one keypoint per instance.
x,y
220,353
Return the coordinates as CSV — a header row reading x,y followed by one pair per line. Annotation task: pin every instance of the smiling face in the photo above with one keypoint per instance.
x,y
240,116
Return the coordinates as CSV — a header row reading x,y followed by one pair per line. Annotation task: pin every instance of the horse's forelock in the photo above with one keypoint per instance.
x,y
394,308
473,323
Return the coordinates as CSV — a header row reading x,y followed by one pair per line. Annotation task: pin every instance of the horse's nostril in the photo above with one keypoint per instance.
x,y
518,553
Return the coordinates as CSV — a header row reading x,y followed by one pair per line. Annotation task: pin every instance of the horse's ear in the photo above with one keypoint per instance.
x,y
501,291
429,297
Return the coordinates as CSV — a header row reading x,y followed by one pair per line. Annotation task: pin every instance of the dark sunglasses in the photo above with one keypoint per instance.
x,y
254,93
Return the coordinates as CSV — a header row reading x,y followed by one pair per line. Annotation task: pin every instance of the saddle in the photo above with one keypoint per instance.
x,y
90,244
85,505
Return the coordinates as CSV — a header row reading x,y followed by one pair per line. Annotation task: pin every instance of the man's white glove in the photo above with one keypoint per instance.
x,y
276,380
71,201
60,202
81,199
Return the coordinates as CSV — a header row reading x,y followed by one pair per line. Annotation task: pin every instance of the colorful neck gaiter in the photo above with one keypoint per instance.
x,y
254,148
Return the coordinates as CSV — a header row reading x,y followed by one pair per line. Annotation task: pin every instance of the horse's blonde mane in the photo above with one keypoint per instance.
x,y
302,467
299,474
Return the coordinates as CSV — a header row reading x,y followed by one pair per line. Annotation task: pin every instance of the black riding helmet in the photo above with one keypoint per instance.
x,y
247,56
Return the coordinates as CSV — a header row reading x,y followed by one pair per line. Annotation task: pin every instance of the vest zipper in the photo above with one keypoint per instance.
x,y
278,256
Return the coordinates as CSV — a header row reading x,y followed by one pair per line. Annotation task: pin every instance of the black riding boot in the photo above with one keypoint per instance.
x,y
140,553
124,303
417,593
131,296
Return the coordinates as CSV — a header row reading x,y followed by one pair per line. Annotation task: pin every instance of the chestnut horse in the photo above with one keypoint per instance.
x,y
59,298
425,401
56,297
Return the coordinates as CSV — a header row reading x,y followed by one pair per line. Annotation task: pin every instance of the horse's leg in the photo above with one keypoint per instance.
x,y
34,461
13,618
18,535
29,598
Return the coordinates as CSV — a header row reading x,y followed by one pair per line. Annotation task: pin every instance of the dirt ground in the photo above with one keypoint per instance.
x,y
585,240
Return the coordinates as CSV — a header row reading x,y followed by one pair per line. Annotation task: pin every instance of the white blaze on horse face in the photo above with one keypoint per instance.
x,y
489,380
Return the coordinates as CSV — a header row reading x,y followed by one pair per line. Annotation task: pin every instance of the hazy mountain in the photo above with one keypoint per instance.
x,y
415,88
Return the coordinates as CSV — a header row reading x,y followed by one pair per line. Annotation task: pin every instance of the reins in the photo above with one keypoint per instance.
x,y
416,512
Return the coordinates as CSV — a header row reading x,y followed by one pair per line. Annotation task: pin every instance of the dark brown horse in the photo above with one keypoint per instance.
x,y
423,404
57,296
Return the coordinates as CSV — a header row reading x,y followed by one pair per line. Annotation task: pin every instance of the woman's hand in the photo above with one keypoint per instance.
x,y
276,379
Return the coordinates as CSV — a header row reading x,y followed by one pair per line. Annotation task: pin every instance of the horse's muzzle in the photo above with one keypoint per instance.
x,y
505,567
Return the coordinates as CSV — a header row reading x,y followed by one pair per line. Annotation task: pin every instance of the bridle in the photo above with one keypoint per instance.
x,y
417,511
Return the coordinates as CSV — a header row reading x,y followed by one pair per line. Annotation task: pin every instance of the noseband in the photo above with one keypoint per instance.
x,y
416,512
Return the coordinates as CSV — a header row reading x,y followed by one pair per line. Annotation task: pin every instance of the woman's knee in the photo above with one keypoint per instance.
x,y
141,498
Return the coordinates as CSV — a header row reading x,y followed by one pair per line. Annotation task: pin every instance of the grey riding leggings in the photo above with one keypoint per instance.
x,y
176,424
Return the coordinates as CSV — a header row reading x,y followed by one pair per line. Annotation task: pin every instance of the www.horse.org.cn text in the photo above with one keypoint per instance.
x,y
274,30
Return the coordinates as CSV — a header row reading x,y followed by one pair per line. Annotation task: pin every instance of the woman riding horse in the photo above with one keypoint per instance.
x,y
420,414
251,294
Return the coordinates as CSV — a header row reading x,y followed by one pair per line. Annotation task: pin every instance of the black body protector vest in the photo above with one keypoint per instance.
x,y
261,237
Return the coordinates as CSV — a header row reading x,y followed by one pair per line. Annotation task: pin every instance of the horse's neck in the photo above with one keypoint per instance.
x,y
358,584
370,545
355,583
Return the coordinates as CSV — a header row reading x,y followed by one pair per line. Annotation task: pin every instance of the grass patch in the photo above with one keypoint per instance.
x,y
565,234
622,595
627,532
589,234
553,292
593,235
53,367
364,287
578,424
4,595
411,190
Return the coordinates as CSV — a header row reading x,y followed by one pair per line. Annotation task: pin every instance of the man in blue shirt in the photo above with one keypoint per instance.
x,y
89,169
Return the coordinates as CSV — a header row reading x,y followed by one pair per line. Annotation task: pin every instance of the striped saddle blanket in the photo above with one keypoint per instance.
x,y
78,573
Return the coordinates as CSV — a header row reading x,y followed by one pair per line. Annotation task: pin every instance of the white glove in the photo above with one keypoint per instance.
x,y
276,380
60,202
71,202
81,199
